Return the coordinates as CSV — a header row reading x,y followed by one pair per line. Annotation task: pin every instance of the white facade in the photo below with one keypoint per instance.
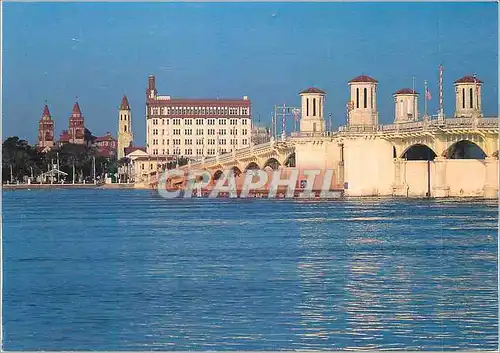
x,y
195,128
363,103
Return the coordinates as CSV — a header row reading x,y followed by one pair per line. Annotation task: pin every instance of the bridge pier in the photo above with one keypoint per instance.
x,y
440,188
491,178
400,187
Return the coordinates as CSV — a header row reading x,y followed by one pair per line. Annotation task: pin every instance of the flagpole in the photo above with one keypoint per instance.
x,y
425,98
441,108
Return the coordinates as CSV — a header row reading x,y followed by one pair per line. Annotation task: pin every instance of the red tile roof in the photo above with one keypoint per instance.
x,y
181,102
468,79
124,105
363,78
76,110
64,136
312,90
131,149
46,111
406,91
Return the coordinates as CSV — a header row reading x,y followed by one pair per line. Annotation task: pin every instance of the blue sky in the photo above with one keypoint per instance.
x,y
98,51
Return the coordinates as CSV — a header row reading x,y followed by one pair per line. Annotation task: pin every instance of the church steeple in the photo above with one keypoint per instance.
x,y
46,112
76,110
46,129
124,105
125,134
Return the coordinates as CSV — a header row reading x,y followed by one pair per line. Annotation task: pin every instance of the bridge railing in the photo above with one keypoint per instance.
x,y
313,134
424,125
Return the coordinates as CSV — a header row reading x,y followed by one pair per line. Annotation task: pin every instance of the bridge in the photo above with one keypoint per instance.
x,y
439,136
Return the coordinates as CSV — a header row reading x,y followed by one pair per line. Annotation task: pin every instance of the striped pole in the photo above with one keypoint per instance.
x,y
441,109
283,127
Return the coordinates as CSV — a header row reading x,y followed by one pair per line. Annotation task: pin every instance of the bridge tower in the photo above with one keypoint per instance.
x,y
125,135
363,101
312,103
468,97
406,105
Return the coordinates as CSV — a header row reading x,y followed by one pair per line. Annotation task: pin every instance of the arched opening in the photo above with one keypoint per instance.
x,y
252,166
272,163
290,161
394,154
217,175
419,152
464,149
236,171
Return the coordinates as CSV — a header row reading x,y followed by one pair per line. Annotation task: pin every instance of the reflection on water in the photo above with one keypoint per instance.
x,y
143,273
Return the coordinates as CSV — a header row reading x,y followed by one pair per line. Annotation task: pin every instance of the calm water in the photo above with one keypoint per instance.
x,y
125,270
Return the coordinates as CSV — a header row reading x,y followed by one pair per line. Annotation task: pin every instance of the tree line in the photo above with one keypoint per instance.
x,y
21,160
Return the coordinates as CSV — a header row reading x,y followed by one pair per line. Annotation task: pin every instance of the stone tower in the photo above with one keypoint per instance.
x,y
363,103
76,126
468,97
406,106
125,135
46,129
312,103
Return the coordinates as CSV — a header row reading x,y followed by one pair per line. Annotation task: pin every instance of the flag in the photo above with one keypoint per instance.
x,y
428,94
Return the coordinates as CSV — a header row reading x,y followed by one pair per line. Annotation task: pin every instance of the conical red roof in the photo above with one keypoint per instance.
x,y
469,79
124,105
363,79
46,112
76,109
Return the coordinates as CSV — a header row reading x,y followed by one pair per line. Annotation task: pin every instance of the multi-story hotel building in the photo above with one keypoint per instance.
x,y
195,128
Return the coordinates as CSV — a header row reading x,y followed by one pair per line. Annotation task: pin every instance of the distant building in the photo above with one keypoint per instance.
x,y
46,130
64,138
106,145
125,134
260,134
194,128
76,126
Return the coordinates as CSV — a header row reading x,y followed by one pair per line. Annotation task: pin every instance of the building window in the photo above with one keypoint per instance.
x,y
463,98
307,106
357,97
314,106
365,97
471,98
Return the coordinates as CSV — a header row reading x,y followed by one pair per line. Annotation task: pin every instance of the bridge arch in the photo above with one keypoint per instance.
x,y
236,171
217,174
418,152
290,161
272,163
464,149
252,165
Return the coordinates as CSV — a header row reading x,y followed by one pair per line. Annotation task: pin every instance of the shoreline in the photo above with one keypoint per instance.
x,y
132,186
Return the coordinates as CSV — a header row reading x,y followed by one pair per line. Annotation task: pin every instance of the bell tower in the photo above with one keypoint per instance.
x,y
406,106
46,129
468,97
76,126
363,103
125,135
312,103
